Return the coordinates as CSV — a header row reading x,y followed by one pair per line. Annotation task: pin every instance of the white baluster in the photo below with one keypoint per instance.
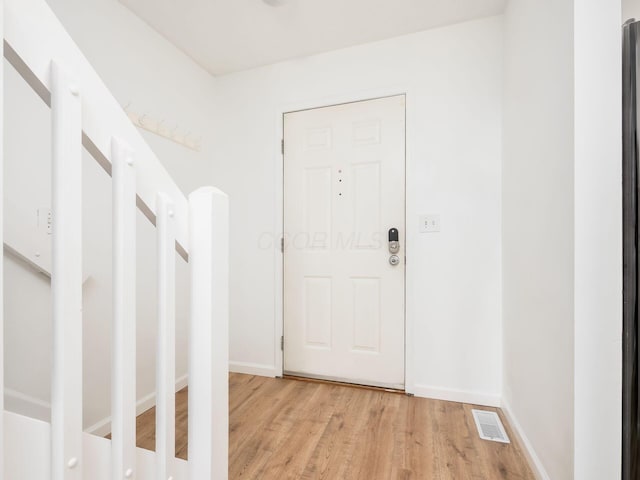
x,y
166,364
123,370
66,281
1,257
209,335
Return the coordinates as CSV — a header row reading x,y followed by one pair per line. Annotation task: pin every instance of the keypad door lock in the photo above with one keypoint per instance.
x,y
394,242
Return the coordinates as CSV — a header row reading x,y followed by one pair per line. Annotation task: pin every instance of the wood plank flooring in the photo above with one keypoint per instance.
x,y
288,429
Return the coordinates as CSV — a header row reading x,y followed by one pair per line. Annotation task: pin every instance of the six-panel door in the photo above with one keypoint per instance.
x,y
344,188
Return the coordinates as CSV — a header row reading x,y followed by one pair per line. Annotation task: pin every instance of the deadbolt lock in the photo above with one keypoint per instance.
x,y
394,260
394,243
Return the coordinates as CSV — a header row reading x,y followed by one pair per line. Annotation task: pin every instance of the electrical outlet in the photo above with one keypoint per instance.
x,y
45,220
429,223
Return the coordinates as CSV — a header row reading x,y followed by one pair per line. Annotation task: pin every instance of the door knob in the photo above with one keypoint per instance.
x,y
394,243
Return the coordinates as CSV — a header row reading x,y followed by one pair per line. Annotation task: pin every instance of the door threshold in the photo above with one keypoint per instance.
x,y
343,384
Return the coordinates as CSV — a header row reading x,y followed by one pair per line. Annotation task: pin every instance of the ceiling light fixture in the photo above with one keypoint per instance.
x,y
275,3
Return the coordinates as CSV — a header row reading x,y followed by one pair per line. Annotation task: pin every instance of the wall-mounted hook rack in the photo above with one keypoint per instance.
x,y
159,127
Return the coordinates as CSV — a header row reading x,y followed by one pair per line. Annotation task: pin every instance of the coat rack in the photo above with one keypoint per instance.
x,y
160,128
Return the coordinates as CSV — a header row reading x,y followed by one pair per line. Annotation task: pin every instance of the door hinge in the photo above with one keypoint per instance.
x,y
282,146
282,343
281,244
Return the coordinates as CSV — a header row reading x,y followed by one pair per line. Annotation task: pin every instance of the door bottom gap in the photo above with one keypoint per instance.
x,y
343,384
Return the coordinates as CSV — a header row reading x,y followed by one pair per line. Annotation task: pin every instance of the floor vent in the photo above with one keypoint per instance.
x,y
489,426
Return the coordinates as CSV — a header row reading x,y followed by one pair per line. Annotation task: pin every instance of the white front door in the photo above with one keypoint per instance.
x,y
344,189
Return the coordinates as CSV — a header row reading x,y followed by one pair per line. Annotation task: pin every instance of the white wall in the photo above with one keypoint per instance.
x,y
562,265
630,9
598,239
139,67
453,77
538,232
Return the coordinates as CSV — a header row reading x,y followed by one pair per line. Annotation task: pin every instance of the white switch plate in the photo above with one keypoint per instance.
x,y
429,223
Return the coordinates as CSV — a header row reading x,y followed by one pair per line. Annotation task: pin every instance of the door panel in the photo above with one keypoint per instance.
x,y
344,188
317,309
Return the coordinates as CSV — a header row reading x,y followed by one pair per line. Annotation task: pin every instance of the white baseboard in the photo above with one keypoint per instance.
x,y
32,407
254,369
26,405
461,396
103,427
530,453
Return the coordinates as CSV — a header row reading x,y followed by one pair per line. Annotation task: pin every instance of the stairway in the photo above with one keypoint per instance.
x,y
85,114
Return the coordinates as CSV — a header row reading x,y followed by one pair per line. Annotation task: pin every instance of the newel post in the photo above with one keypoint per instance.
x,y
209,335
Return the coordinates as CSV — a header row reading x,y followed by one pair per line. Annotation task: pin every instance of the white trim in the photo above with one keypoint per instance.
x,y
255,368
278,232
103,427
27,405
534,461
318,102
461,396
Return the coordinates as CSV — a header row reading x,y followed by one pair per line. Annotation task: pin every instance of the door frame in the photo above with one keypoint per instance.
x,y
322,102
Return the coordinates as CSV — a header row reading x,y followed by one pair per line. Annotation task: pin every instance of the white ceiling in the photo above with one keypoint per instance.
x,y
225,36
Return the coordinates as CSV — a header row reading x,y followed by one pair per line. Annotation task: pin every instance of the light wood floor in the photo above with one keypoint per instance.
x,y
281,428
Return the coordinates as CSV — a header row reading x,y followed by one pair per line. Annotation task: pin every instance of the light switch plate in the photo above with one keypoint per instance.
x,y
429,223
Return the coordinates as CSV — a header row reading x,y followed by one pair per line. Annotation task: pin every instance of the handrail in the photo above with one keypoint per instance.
x,y
103,117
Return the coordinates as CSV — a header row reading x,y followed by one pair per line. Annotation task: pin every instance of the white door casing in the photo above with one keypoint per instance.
x,y
344,188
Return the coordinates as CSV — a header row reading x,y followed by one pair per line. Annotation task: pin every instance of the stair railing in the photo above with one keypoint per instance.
x,y
84,113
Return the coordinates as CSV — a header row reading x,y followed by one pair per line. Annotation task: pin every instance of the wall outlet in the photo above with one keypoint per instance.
x,y
45,220
429,223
